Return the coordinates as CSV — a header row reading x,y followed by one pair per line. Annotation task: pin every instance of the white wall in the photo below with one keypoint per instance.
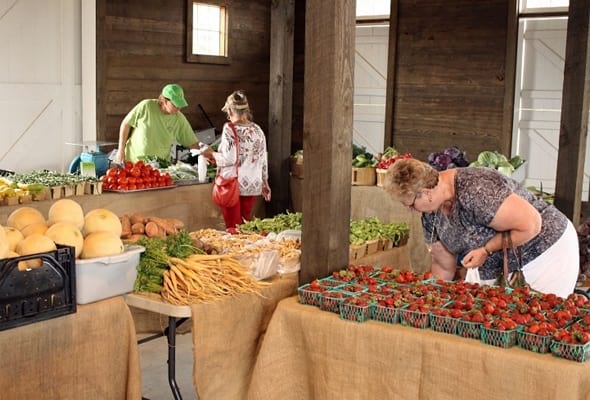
x,y
40,84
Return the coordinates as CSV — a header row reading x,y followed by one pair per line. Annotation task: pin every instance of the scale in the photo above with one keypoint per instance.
x,y
92,161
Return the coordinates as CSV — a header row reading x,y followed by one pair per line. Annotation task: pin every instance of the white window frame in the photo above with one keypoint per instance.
x,y
223,56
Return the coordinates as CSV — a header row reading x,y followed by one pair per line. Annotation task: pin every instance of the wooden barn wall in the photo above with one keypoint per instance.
x,y
141,47
449,76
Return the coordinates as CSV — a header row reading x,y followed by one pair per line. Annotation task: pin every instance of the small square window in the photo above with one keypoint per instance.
x,y
207,32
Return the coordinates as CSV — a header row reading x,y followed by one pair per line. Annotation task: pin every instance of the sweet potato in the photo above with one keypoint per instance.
x,y
164,224
137,218
152,229
138,227
133,239
178,224
125,226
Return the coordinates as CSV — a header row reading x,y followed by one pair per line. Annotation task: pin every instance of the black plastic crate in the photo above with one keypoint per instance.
x,y
32,295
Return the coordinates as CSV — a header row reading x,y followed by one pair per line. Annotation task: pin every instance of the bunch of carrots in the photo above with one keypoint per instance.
x,y
201,278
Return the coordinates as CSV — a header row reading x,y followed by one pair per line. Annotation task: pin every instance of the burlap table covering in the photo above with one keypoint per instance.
x,y
90,355
312,354
226,339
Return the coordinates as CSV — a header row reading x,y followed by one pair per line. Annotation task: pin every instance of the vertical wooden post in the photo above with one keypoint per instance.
x,y
509,76
390,85
574,112
282,27
327,136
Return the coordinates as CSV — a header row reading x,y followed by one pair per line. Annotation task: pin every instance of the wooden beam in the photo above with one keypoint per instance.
x,y
574,112
327,136
280,104
391,69
509,76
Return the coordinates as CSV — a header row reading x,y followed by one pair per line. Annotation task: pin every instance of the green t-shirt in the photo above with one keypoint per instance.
x,y
154,132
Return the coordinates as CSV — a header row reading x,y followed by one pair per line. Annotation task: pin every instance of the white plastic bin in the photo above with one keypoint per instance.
x,y
104,277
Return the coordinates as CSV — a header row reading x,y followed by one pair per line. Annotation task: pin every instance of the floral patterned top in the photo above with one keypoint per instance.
x,y
479,193
253,157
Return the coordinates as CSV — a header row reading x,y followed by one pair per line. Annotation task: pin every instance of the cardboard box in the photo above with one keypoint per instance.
x,y
104,277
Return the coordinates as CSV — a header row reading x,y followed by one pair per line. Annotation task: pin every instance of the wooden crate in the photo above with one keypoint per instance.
x,y
296,168
364,176
372,246
381,173
357,251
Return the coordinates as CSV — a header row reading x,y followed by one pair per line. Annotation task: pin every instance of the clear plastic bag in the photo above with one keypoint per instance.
x,y
472,275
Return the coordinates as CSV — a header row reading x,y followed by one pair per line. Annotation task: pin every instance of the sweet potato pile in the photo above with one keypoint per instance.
x,y
136,226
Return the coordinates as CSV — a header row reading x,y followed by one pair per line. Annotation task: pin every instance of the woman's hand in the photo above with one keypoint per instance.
x,y
266,191
475,258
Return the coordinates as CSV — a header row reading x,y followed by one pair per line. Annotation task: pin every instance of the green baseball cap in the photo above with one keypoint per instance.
x,y
175,94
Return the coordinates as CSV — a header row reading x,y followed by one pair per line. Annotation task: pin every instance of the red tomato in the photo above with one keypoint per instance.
x,y
131,179
156,174
140,185
132,187
122,180
135,171
122,187
139,181
112,172
139,164
121,173
128,165
146,170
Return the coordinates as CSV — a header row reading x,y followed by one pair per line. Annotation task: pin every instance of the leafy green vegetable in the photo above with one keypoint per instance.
x,y
493,159
372,228
154,260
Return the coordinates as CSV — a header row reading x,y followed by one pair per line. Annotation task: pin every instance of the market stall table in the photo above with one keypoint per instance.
x,y
226,336
89,355
313,354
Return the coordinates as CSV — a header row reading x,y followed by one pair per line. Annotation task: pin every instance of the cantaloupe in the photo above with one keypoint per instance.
x,y
102,244
66,210
32,244
102,220
13,236
36,227
68,234
24,216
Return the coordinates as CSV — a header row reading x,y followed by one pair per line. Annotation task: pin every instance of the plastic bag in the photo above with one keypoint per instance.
x,y
472,275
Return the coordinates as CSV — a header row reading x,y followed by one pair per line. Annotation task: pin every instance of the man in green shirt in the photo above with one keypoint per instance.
x,y
153,125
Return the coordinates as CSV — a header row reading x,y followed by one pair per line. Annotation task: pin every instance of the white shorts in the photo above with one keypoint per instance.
x,y
556,270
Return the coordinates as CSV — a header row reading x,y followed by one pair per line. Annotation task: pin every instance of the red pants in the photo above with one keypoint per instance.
x,y
239,213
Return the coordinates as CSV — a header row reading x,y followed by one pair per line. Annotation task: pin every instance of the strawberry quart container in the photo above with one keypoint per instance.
x,y
355,308
385,313
533,342
310,293
414,318
443,322
569,351
468,329
499,338
331,300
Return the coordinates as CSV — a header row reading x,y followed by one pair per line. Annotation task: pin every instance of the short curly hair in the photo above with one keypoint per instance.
x,y
407,177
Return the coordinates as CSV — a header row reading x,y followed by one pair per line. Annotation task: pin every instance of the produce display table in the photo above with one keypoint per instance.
x,y
398,257
313,354
91,354
226,336
373,201
191,204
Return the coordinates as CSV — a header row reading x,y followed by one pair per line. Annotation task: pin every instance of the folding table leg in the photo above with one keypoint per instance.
x,y
172,358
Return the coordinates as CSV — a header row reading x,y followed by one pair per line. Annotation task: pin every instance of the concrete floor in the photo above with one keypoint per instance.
x,y
153,357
